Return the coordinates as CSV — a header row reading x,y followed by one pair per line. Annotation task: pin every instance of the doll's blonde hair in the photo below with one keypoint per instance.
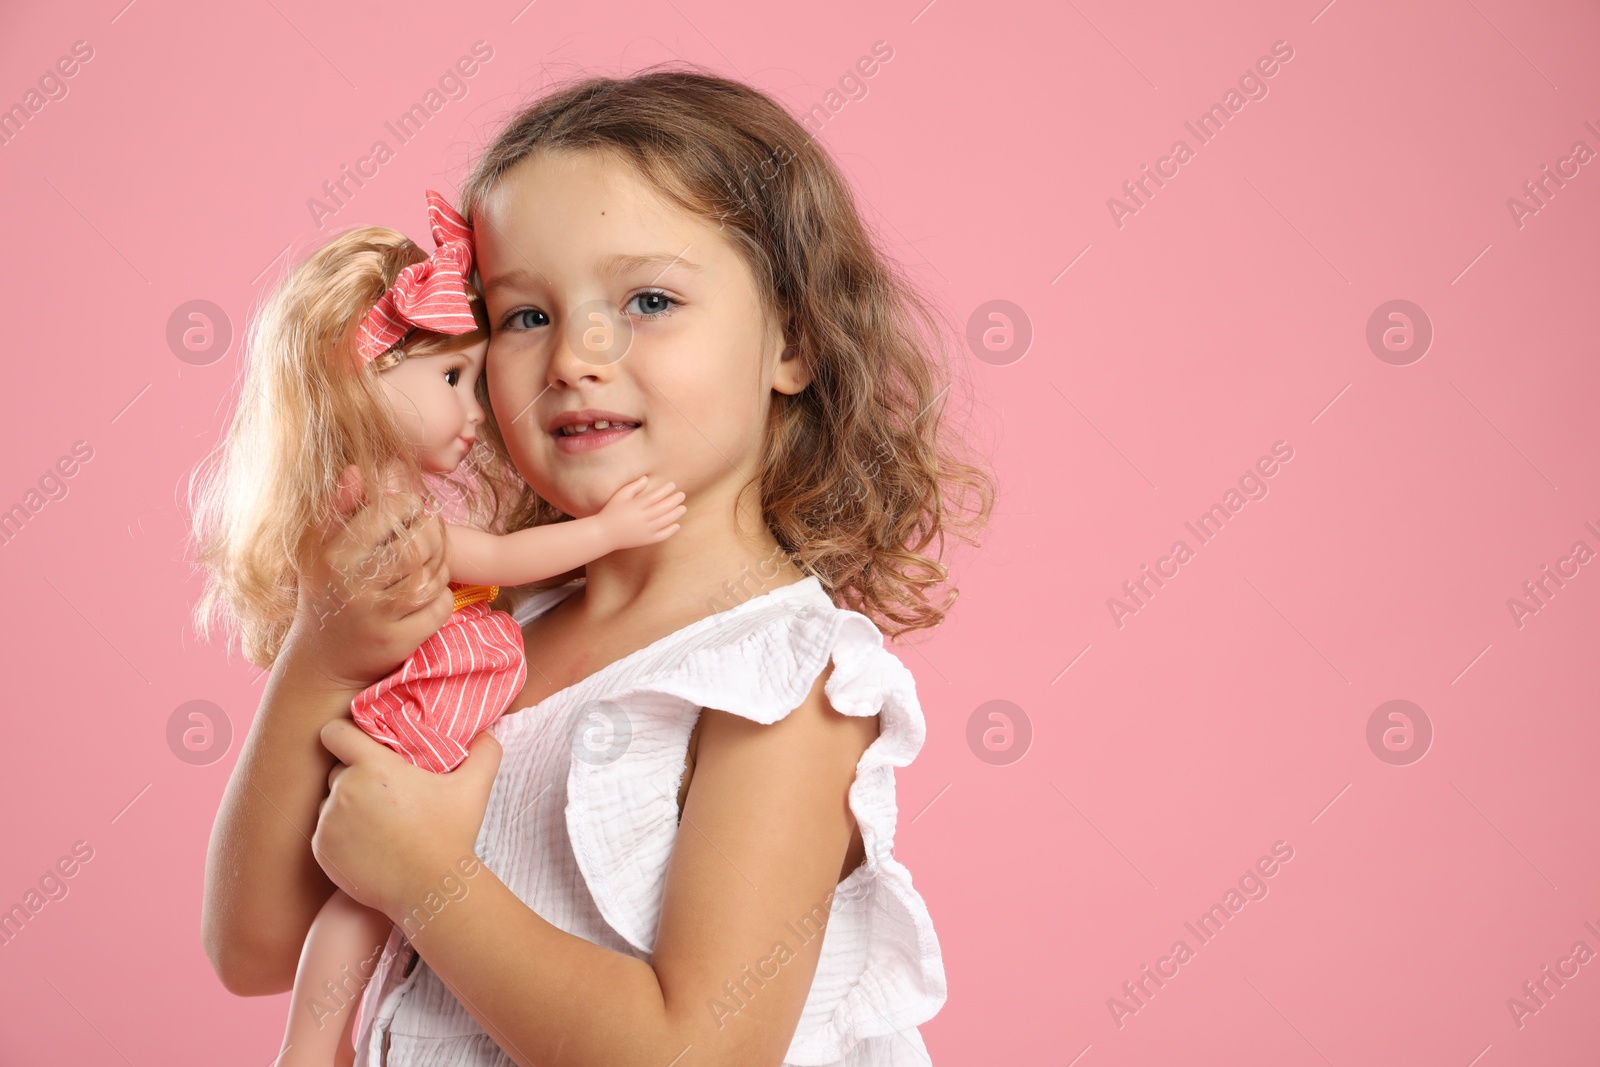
x,y
308,408
864,474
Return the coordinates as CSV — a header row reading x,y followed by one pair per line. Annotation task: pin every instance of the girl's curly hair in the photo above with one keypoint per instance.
x,y
860,475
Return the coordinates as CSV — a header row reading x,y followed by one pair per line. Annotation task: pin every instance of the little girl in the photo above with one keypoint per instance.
x,y
678,846
336,378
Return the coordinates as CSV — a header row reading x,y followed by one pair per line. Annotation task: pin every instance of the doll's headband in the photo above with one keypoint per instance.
x,y
431,294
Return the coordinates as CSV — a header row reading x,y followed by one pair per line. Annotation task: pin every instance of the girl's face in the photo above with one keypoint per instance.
x,y
603,296
433,399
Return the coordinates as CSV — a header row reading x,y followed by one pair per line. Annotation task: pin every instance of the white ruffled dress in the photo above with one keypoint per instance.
x,y
582,834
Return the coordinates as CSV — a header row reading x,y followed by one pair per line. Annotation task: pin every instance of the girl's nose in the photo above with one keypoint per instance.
x,y
594,339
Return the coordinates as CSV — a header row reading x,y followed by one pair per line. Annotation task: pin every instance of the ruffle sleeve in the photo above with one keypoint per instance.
x,y
881,969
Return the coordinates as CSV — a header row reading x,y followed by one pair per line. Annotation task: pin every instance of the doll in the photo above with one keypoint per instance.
x,y
337,381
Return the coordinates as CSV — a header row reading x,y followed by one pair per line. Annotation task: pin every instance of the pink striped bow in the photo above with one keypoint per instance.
x,y
431,294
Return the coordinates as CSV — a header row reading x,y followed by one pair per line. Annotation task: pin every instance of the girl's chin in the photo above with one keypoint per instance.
x,y
579,501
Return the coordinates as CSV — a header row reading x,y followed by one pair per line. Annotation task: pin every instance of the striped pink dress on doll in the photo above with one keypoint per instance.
x,y
453,687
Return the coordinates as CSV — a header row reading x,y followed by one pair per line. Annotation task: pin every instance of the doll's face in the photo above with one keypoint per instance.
x,y
434,399
602,294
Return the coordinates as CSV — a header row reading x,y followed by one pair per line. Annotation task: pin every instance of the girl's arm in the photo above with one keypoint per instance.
x,y
366,603
631,517
763,835
263,887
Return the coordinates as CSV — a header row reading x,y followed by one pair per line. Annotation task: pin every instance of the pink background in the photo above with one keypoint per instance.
x,y
1229,313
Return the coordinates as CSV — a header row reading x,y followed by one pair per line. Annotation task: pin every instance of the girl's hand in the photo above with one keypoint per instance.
x,y
389,831
635,516
375,589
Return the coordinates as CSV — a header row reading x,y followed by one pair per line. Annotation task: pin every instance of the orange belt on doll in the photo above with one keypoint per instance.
x,y
475,594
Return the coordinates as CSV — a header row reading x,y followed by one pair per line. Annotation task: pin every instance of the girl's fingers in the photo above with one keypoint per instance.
x,y
377,523
400,566
426,586
374,518
393,477
400,559
417,604
427,619
351,492
422,544
415,590
366,540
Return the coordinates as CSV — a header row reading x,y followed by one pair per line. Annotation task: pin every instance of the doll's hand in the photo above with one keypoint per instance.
x,y
389,830
637,516
375,588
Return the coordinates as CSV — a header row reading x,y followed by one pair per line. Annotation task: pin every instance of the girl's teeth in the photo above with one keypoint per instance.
x,y
599,424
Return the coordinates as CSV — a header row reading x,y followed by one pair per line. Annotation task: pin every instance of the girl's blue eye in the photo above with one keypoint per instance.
x,y
519,319
662,305
658,306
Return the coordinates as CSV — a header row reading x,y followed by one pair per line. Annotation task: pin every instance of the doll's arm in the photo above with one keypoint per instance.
x,y
633,516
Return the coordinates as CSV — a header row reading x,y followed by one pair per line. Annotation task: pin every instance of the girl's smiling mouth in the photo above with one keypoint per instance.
x,y
589,429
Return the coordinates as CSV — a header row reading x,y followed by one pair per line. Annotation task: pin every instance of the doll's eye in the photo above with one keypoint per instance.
x,y
453,375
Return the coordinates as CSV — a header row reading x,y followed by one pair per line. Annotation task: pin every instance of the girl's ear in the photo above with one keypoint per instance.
x,y
793,374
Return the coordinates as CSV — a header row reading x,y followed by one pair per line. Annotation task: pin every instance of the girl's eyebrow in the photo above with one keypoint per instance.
x,y
513,279
621,264
611,266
